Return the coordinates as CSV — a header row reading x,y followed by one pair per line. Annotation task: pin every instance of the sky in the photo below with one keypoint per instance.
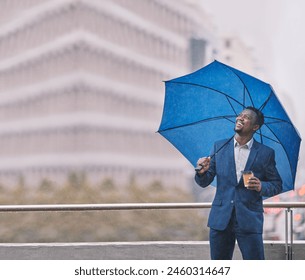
x,y
274,30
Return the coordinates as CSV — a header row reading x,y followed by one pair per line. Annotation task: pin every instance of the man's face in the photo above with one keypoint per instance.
x,y
245,123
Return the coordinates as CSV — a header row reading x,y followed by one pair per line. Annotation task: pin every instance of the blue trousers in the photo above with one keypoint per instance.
x,y
222,243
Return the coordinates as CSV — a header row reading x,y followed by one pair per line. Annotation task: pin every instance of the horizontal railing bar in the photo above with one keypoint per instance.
x,y
129,206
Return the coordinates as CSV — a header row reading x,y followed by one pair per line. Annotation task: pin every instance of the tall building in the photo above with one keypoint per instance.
x,y
233,51
81,86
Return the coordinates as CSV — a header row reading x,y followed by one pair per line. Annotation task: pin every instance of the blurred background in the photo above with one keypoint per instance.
x,y
81,97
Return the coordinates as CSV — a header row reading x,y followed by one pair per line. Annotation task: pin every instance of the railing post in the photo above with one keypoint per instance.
x,y
288,233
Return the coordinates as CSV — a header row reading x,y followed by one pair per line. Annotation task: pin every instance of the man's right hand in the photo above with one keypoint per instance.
x,y
205,163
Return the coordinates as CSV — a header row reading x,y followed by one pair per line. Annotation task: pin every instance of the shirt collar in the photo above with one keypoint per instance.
x,y
248,144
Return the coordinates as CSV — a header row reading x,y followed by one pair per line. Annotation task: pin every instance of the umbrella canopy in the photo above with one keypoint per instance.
x,y
200,108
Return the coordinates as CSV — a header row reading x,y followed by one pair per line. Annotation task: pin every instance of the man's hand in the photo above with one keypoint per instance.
x,y
204,163
254,184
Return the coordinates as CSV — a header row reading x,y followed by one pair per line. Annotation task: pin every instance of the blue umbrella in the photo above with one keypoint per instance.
x,y
200,108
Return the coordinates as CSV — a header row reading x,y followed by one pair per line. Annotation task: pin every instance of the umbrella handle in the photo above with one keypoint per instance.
x,y
198,168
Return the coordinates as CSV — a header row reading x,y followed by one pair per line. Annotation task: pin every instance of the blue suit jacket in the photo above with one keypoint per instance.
x,y
231,193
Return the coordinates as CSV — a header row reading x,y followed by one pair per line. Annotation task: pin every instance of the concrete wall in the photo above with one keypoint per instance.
x,y
191,250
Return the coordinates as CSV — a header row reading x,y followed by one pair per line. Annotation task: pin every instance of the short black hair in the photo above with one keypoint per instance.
x,y
260,119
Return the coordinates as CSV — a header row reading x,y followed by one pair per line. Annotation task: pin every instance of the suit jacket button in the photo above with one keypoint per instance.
x,y
232,201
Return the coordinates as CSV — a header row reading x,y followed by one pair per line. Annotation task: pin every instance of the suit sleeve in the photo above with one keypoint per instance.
x,y
272,182
205,179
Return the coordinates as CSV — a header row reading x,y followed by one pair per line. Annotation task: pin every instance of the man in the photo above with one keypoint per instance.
x,y
237,211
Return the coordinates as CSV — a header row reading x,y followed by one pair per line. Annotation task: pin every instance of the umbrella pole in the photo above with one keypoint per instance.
x,y
198,168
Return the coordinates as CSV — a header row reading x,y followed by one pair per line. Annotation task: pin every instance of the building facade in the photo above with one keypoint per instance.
x,y
233,51
81,86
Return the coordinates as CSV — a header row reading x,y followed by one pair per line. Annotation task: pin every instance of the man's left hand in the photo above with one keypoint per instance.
x,y
254,184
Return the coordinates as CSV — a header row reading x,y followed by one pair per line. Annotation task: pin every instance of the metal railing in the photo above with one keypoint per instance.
x,y
159,206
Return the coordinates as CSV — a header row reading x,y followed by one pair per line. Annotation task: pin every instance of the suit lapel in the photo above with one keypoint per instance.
x,y
252,156
231,159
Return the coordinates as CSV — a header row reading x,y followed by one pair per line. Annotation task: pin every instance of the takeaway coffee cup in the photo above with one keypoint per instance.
x,y
247,174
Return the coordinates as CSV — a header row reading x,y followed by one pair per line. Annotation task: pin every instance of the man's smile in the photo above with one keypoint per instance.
x,y
239,124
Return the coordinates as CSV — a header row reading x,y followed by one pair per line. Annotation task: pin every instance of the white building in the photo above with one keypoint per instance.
x,y
234,52
81,86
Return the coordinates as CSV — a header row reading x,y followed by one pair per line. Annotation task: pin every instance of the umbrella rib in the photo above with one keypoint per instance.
x,y
198,85
277,120
245,91
266,137
232,107
266,101
245,87
201,121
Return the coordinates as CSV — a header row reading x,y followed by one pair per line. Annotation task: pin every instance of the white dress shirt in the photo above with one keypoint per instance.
x,y
241,154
